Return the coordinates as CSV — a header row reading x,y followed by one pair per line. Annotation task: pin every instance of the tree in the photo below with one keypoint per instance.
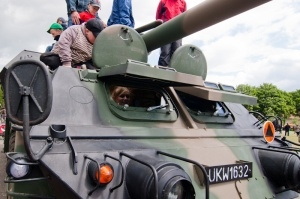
x,y
248,90
272,101
296,99
290,105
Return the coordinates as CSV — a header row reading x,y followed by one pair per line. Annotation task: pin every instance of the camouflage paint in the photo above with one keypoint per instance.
x,y
81,101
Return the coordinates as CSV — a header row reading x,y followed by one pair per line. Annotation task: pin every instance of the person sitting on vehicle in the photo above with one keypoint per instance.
x,y
91,12
121,95
76,43
55,30
75,7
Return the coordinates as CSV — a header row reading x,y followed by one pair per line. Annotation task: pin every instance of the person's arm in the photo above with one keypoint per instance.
x,y
158,11
184,9
75,17
63,46
83,17
71,6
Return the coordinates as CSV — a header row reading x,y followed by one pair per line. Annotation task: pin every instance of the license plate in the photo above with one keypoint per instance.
x,y
229,172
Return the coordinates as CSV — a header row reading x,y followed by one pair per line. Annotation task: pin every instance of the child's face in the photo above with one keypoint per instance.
x,y
93,9
123,98
55,32
121,95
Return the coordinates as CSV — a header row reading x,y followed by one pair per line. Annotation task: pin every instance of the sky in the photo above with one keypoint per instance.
x,y
258,46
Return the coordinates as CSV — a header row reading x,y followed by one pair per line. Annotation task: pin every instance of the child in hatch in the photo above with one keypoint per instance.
x,y
121,95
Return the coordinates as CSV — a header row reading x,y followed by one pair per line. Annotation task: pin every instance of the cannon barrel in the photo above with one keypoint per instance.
x,y
195,19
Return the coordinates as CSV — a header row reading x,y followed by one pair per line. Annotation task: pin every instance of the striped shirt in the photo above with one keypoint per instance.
x,y
73,46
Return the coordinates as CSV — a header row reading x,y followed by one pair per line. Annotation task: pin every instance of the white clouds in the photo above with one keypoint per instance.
x,y
260,45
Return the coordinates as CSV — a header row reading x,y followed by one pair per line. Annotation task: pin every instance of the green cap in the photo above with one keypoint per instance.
x,y
56,26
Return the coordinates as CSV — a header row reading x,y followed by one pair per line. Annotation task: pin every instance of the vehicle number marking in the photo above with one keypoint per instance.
x,y
225,173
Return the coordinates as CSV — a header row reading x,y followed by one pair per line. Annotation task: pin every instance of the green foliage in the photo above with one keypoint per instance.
x,y
272,101
248,90
296,99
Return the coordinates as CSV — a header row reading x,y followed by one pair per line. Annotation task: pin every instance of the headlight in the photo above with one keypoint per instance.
x,y
18,169
173,182
179,189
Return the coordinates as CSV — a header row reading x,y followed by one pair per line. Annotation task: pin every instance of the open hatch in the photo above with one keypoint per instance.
x,y
139,72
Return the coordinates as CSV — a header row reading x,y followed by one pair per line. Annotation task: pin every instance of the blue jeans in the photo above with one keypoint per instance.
x,y
49,48
70,22
167,51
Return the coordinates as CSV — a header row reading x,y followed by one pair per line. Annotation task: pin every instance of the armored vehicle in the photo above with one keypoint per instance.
x,y
129,130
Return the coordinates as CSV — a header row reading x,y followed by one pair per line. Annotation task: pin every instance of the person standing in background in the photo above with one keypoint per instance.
x,y
166,10
121,13
287,129
297,129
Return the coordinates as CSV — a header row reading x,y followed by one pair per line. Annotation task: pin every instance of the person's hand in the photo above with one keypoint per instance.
x,y
75,17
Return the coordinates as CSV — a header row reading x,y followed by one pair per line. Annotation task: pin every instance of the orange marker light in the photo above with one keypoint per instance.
x,y
269,131
106,174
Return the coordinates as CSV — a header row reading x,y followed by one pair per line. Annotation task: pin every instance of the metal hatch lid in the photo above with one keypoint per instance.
x,y
140,72
218,95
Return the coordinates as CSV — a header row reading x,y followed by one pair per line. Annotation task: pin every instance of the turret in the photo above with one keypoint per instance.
x,y
118,43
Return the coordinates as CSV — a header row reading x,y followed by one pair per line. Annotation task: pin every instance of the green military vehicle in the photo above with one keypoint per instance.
x,y
129,130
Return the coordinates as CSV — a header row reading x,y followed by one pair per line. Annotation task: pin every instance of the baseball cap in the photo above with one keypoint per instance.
x,y
95,3
56,26
95,26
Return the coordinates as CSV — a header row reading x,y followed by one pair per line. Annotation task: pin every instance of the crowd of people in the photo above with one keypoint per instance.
x,y
295,128
74,38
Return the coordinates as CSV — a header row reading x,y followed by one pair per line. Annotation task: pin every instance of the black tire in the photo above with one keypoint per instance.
x,y
11,144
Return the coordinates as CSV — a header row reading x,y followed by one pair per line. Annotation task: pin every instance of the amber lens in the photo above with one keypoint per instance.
x,y
106,174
